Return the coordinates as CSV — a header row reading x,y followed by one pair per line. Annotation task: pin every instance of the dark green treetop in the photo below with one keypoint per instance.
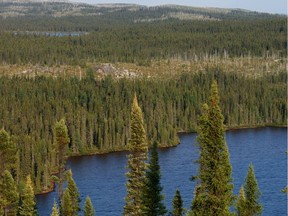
x,y
152,199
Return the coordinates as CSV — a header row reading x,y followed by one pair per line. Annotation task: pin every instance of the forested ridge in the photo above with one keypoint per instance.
x,y
132,33
142,42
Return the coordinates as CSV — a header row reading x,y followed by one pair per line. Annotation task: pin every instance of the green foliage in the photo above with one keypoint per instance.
x,y
214,193
178,209
128,36
28,204
66,207
152,199
8,153
88,208
252,194
241,203
62,141
55,211
9,195
73,192
96,112
137,166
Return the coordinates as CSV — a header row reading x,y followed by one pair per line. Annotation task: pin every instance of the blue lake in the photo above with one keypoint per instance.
x,y
102,177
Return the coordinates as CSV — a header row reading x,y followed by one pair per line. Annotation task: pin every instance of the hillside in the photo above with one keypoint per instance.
x,y
127,12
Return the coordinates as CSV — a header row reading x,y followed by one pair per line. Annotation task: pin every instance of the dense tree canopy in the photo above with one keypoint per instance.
x,y
96,111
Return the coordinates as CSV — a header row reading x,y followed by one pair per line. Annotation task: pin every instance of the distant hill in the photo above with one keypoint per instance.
x,y
129,12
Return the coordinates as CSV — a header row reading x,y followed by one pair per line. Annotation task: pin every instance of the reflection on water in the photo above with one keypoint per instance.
x,y
102,177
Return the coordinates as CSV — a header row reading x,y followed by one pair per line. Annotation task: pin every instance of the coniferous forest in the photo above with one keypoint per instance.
x,y
176,58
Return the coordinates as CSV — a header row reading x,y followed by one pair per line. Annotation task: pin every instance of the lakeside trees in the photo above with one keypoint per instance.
x,y
214,188
137,166
152,199
248,200
214,173
30,107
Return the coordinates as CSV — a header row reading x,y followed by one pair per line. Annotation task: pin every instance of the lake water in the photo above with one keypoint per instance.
x,y
102,177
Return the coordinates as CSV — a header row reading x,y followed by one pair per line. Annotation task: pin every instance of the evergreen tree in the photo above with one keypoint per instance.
x,y
178,209
136,162
88,208
8,153
28,204
214,195
152,199
252,194
9,195
73,192
66,207
62,141
55,211
241,203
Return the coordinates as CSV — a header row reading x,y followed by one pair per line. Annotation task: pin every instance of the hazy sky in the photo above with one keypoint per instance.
x,y
270,6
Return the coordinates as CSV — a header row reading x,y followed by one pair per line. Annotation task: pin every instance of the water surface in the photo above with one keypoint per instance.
x,y
102,177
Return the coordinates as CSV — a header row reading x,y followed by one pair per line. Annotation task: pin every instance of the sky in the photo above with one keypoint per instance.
x,y
269,6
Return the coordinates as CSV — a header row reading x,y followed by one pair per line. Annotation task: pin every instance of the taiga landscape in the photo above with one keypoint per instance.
x,y
126,109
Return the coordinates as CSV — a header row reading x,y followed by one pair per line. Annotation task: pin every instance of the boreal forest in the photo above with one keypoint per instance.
x,y
87,64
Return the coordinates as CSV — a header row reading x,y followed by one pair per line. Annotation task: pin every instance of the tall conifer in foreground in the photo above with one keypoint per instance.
x,y
73,192
152,199
250,206
178,209
62,141
214,189
8,194
55,211
241,202
136,162
66,207
88,207
28,205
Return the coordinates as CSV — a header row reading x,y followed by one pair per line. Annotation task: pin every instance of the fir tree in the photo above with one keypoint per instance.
x,y
252,194
136,162
55,211
73,192
8,153
66,207
28,204
241,203
178,209
62,141
214,195
88,208
152,199
9,195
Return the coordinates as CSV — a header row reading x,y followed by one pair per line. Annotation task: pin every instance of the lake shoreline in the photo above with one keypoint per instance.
x,y
108,151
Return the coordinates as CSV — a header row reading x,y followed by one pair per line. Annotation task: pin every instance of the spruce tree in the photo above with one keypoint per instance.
x,y
73,192
88,207
214,189
9,195
28,204
152,199
8,153
241,203
62,141
252,193
178,209
136,162
66,207
55,211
